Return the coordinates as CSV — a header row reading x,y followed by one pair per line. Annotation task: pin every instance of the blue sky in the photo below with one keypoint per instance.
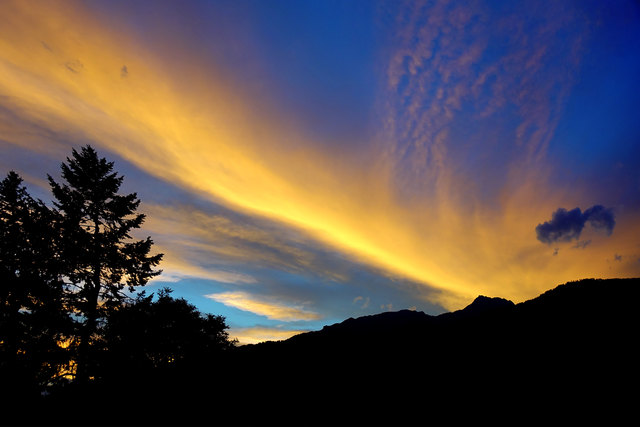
x,y
305,162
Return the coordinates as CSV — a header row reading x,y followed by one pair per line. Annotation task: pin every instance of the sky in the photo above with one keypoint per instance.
x,y
303,162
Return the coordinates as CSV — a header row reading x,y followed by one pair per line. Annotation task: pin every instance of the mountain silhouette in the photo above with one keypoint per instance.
x,y
568,355
587,303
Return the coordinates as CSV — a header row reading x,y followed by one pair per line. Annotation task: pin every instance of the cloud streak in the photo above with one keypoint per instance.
x,y
264,306
218,235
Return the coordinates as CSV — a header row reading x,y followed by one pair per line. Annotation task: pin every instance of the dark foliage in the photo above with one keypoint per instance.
x,y
33,319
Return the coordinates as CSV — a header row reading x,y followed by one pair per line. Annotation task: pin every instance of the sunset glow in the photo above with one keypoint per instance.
x,y
478,128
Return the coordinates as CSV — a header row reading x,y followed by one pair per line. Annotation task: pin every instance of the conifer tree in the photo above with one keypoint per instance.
x,y
33,318
102,257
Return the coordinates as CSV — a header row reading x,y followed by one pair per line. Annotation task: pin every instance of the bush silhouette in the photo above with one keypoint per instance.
x,y
148,337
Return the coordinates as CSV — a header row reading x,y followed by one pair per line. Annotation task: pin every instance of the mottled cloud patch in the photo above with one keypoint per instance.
x,y
275,310
461,65
565,225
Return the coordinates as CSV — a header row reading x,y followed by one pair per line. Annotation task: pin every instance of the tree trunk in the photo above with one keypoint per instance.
x,y
91,312
89,327
11,344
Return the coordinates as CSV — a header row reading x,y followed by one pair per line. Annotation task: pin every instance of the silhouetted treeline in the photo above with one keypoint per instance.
x,y
68,326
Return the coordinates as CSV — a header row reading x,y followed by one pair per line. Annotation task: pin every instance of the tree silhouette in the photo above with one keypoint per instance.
x,y
65,310
160,338
33,319
102,258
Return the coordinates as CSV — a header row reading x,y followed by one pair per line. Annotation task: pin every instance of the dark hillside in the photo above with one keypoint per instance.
x,y
568,353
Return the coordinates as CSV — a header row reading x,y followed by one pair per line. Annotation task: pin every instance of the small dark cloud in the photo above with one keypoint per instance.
x,y
617,257
124,72
46,46
555,251
600,218
74,66
582,244
565,225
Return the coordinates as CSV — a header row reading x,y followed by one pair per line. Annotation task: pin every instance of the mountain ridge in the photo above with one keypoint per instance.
x,y
566,355
480,305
